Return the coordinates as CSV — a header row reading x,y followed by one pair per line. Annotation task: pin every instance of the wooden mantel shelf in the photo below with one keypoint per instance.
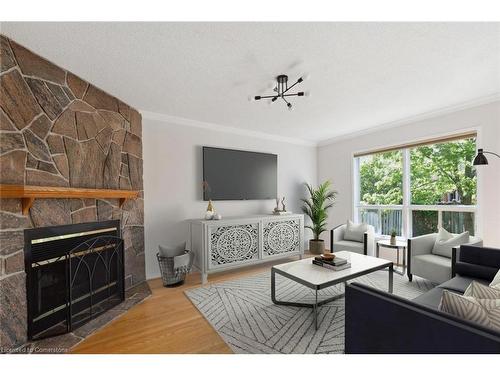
x,y
28,194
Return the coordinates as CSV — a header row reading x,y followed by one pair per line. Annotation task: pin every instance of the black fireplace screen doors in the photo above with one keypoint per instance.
x,y
74,273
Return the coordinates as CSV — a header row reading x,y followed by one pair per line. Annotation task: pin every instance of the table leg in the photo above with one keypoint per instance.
x,y
397,256
316,311
391,278
273,285
377,252
404,260
315,306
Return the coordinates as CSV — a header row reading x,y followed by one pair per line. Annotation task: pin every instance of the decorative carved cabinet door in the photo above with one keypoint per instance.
x,y
233,244
281,236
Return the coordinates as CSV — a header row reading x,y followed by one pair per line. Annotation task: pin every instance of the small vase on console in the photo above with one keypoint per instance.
x,y
210,213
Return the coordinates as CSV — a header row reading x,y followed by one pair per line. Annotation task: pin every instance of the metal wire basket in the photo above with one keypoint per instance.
x,y
169,276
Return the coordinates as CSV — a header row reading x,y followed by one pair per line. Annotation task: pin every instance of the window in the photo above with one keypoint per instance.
x,y
416,189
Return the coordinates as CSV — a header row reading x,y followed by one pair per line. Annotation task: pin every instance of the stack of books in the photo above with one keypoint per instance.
x,y
337,264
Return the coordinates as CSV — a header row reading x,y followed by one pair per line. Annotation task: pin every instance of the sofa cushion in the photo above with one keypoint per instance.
x,y
355,247
485,312
459,283
445,241
478,290
172,251
355,232
483,256
477,271
430,299
431,267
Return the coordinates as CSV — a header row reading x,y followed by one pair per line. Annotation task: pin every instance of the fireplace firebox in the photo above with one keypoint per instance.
x,y
74,273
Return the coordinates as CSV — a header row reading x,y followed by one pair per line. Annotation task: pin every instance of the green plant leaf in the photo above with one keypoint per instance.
x,y
316,206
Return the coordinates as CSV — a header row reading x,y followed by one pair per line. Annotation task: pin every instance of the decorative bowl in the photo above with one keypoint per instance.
x,y
328,256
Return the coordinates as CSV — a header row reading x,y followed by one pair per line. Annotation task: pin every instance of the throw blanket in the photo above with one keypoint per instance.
x,y
182,263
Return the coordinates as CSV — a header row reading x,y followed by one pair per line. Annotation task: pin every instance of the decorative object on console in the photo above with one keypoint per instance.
x,y
277,210
282,90
210,206
480,159
316,207
210,211
209,214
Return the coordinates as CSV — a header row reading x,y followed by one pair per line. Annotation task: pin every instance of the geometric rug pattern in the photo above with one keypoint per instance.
x,y
242,313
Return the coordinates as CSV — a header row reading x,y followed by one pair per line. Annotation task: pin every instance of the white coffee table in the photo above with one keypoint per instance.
x,y
317,278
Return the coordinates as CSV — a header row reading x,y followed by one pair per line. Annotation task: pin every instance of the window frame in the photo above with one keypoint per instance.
x,y
407,207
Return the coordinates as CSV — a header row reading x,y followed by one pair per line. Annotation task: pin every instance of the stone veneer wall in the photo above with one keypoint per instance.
x,y
58,130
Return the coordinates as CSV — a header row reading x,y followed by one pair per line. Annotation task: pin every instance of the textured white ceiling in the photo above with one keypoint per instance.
x,y
361,74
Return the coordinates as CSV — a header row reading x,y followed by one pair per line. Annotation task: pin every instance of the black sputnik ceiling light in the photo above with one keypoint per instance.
x,y
282,90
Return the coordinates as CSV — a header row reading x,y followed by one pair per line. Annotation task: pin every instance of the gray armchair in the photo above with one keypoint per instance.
x,y
339,243
422,262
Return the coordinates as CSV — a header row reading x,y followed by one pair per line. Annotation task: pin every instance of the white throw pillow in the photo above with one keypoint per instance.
x,y
496,281
480,291
355,232
481,311
172,251
445,241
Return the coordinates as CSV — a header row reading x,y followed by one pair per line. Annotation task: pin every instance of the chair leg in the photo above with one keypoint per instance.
x,y
410,277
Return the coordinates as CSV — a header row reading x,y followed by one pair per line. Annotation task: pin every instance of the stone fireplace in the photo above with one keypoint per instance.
x,y
58,130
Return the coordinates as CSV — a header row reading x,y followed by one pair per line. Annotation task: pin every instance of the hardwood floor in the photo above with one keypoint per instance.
x,y
167,322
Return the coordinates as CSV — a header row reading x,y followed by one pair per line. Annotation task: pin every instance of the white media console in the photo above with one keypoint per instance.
x,y
240,241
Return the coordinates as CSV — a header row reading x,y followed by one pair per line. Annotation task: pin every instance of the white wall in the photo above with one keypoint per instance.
x,y
335,160
173,176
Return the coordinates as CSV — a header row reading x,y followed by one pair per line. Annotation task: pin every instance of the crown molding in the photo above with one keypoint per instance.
x,y
182,121
224,129
412,119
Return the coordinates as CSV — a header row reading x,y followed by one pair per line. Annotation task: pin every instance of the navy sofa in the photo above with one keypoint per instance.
x,y
398,325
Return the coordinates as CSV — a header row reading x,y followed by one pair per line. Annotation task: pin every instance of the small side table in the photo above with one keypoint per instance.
x,y
400,245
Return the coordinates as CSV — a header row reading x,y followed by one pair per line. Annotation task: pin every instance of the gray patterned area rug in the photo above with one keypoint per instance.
x,y
242,313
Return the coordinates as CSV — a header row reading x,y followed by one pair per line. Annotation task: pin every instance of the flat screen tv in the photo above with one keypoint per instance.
x,y
235,175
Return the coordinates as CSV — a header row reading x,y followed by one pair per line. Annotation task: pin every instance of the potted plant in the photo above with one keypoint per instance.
x,y
393,236
316,207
